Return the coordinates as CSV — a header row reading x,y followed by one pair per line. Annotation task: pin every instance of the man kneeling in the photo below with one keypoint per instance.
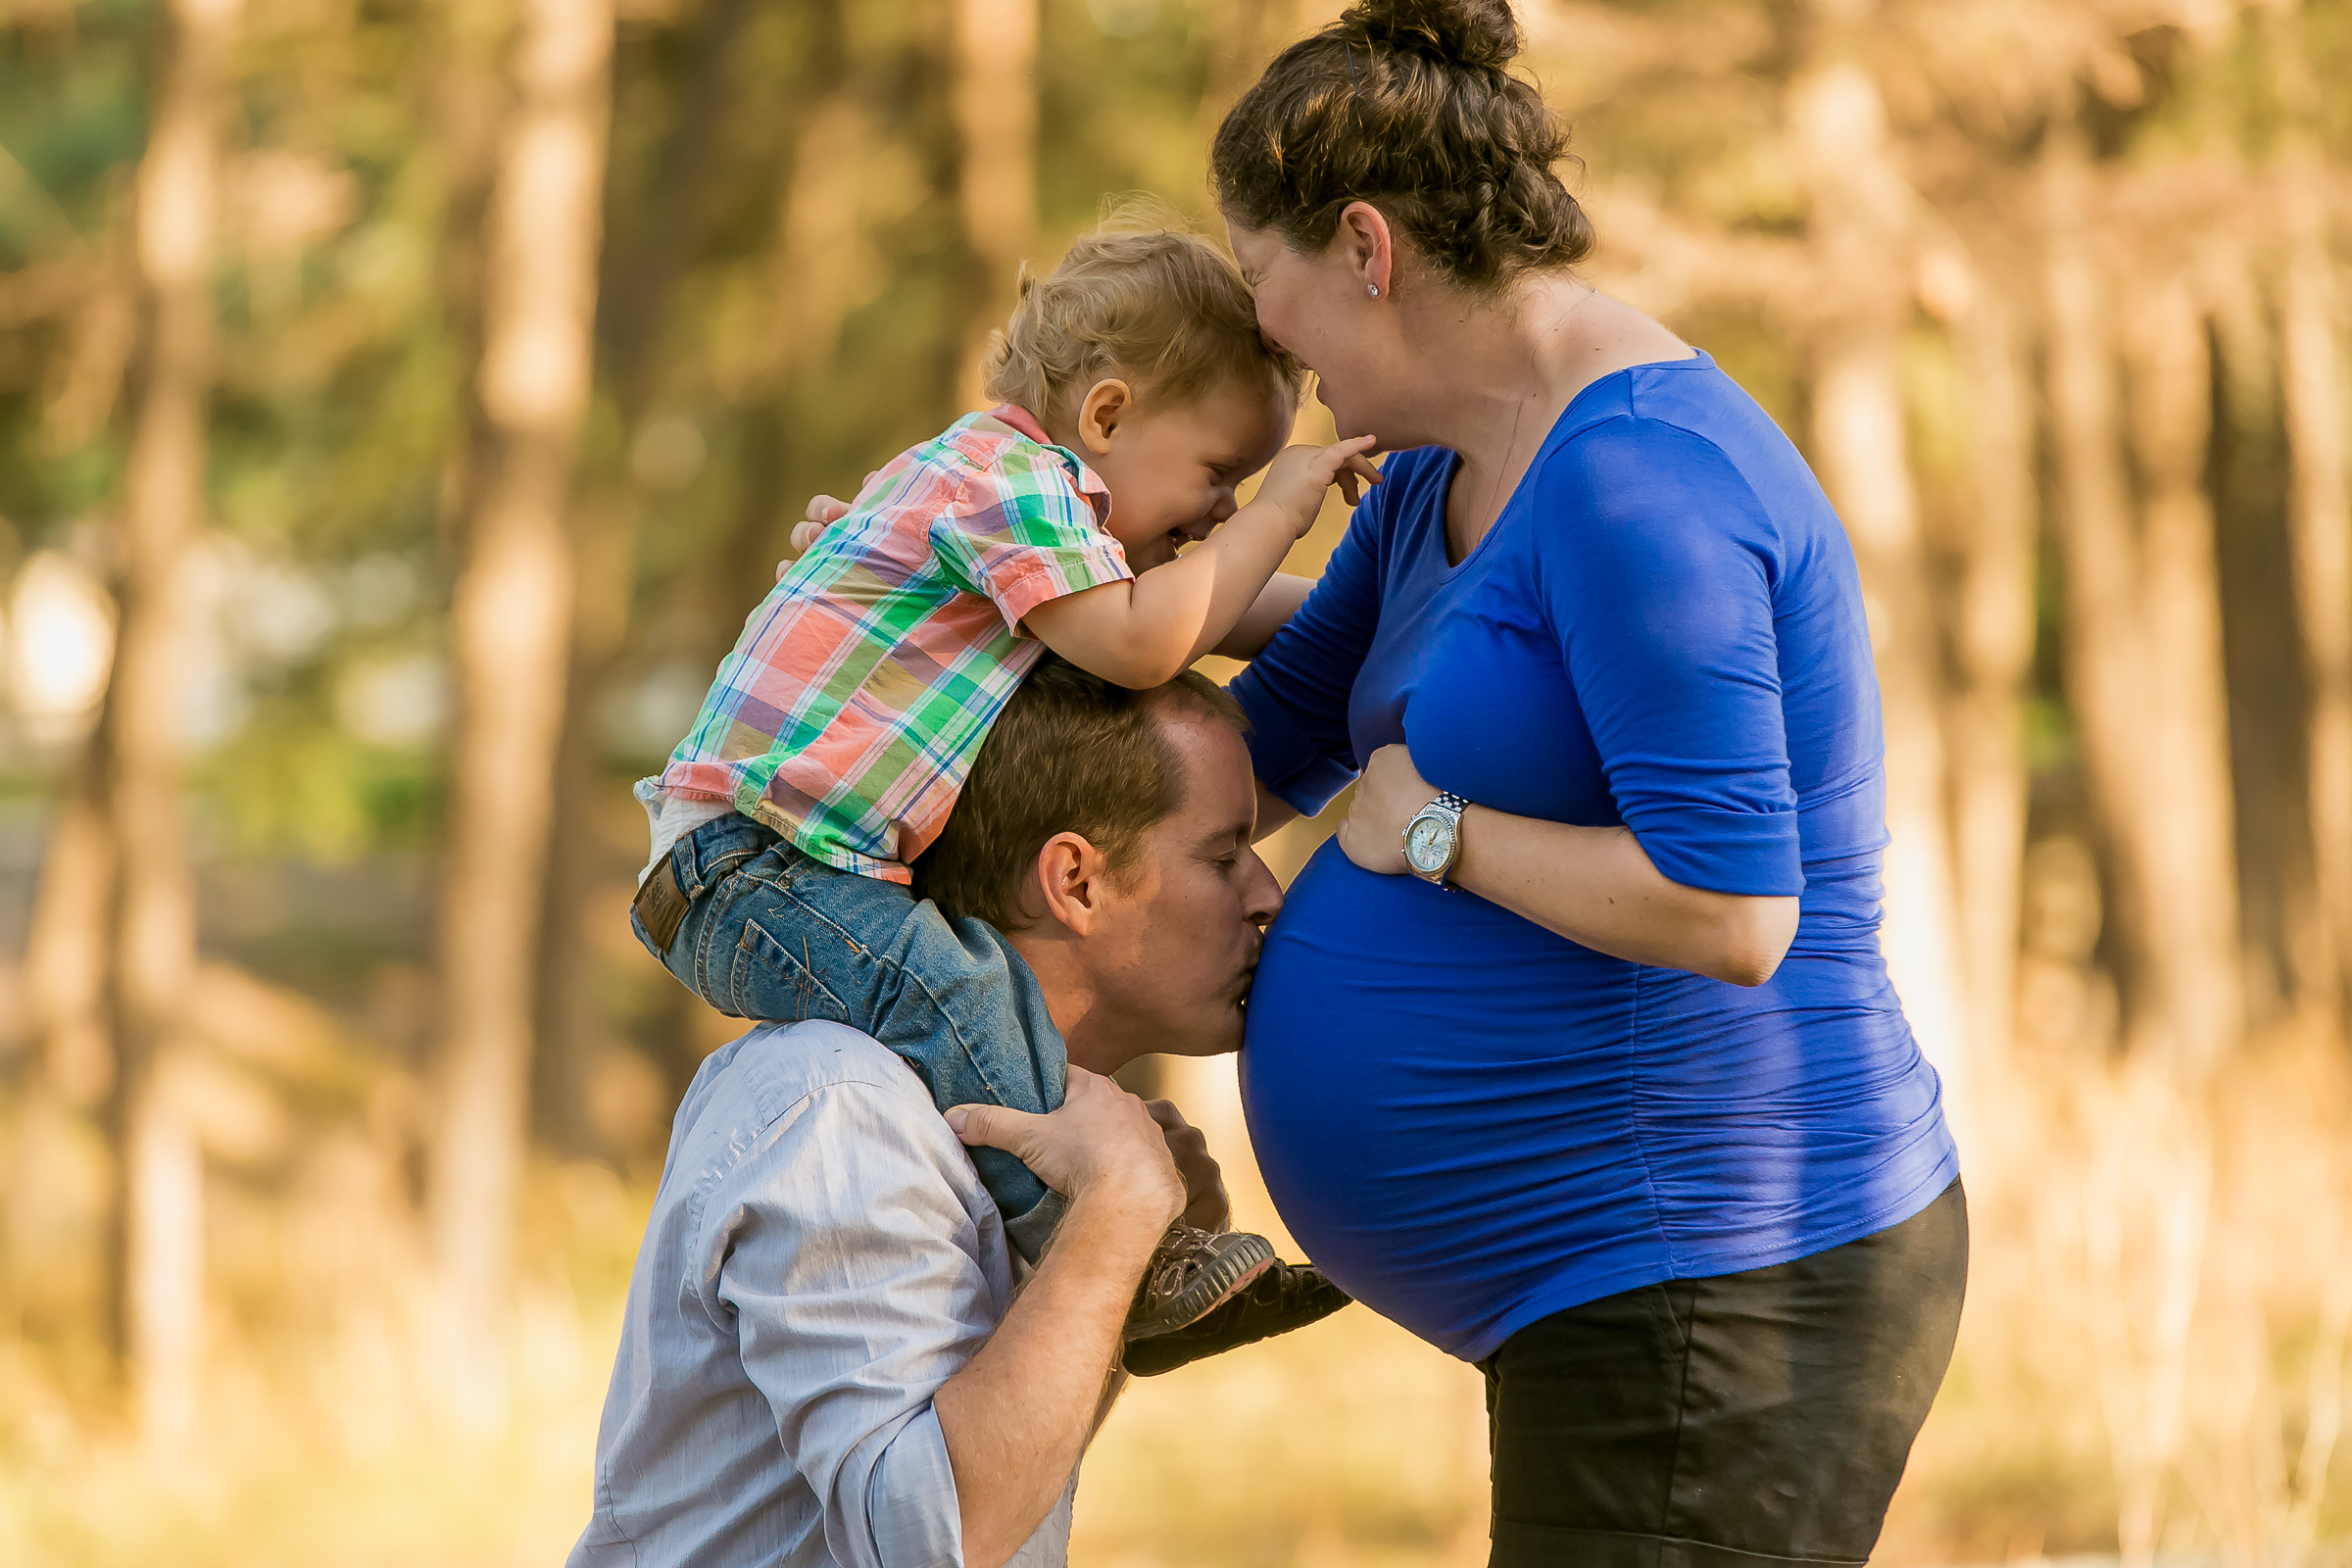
x,y
824,1359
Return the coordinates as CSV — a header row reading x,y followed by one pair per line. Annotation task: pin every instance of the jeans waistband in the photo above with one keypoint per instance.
x,y
716,847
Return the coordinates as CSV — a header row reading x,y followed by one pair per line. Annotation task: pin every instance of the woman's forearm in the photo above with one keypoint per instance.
x,y
1597,886
1273,812
1592,885
1274,605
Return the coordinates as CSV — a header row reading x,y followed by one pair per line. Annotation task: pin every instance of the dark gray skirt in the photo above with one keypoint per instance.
x,y
1753,1418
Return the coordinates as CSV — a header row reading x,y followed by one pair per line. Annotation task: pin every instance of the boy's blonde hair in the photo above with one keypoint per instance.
x,y
1159,306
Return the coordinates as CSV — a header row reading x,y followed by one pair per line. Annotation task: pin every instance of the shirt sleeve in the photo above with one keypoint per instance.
x,y
1297,690
1661,591
848,1270
1021,534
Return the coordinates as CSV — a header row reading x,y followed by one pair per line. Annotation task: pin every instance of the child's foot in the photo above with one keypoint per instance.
x,y
1284,1298
1192,1272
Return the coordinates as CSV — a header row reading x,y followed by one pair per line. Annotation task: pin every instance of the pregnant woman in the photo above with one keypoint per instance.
x,y
1574,1051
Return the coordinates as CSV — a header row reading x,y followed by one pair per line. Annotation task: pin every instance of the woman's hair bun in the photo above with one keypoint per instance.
x,y
1480,34
1410,105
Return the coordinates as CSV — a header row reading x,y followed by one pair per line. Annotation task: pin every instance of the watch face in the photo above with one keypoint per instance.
x,y
1428,839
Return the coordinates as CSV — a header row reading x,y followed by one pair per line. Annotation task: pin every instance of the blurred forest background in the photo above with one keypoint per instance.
x,y
402,402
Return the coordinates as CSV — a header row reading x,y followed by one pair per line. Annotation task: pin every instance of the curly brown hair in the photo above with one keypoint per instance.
x,y
1165,308
1408,105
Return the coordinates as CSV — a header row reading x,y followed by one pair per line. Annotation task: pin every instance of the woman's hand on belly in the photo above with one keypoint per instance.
x,y
1387,795
1592,885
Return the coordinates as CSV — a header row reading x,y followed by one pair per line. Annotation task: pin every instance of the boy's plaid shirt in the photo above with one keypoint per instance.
x,y
849,713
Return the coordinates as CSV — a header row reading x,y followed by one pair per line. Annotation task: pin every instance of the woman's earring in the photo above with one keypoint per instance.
x,y
1372,289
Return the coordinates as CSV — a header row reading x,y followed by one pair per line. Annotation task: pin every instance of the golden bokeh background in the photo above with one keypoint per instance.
x,y
403,401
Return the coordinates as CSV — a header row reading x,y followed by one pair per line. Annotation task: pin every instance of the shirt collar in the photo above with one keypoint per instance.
x,y
1090,484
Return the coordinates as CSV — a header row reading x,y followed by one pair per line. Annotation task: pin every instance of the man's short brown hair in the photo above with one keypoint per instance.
x,y
1072,752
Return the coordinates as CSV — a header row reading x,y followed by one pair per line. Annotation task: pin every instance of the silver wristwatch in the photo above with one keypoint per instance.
x,y
1433,839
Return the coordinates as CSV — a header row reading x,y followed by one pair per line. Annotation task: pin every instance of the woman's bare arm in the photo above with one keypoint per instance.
x,y
1592,885
1274,605
1273,812
1595,885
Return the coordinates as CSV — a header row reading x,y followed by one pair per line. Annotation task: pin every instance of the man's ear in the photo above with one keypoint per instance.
x,y
1072,879
1106,402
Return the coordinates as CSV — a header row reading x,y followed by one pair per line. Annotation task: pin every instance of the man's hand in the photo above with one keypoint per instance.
x,y
821,513
1103,1137
1301,473
1391,792
1205,1207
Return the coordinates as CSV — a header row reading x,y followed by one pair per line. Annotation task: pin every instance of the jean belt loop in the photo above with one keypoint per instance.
x,y
686,857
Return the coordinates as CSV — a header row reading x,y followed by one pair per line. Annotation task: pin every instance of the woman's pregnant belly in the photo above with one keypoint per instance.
x,y
1470,1122
1438,1093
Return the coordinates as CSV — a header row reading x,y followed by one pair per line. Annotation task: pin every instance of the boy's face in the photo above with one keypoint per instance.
x,y
1172,470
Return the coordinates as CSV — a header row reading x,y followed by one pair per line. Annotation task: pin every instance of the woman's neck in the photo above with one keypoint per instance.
x,y
1492,361
1501,373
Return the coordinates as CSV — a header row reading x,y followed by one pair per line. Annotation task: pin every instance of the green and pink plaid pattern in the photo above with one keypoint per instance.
x,y
849,713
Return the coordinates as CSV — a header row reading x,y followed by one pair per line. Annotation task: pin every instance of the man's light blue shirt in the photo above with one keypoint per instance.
x,y
820,1260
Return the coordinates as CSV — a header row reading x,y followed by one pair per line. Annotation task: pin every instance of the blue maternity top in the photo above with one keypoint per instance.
x,y
1468,1121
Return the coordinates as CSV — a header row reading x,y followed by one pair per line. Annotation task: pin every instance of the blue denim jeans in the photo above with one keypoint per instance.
x,y
774,934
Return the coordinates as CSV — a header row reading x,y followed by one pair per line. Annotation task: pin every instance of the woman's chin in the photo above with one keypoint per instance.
x,y
1345,426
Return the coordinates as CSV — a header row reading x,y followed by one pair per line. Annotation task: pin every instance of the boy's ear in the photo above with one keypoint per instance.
x,y
1107,402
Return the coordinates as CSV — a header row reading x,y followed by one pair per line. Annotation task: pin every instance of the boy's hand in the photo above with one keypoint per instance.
x,y
1101,1137
1300,475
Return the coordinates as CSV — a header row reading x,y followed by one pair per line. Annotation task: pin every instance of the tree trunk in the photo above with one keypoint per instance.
x,y
820,272
1992,642
2185,811
2286,960
823,268
2102,652
155,1273
579,918
1859,217
2320,527
510,631
72,1057
996,121
2149,716
636,292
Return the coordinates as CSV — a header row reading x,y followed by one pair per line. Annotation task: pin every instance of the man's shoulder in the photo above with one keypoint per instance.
x,y
758,1079
788,1099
